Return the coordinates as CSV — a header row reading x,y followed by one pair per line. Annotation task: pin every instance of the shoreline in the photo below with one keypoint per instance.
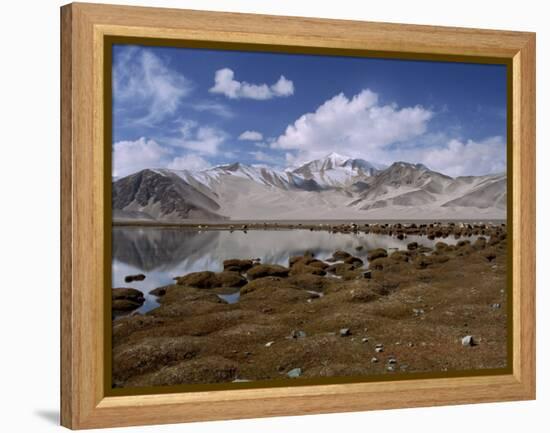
x,y
359,225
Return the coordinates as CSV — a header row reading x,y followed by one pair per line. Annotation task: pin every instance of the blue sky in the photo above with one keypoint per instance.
x,y
191,109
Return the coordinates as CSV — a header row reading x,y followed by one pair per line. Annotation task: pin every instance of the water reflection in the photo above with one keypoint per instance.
x,y
163,253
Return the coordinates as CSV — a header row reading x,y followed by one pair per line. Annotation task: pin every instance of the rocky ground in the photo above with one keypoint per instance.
x,y
419,310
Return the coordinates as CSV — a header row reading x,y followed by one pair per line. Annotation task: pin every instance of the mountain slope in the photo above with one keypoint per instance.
x,y
163,196
335,187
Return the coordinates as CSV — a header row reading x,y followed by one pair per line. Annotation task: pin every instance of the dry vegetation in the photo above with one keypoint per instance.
x,y
403,312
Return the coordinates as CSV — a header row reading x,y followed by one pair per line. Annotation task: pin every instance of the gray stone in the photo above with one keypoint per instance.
x,y
297,334
468,341
294,373
344,332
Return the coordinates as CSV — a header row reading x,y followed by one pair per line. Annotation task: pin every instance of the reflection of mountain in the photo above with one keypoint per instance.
x,y
334,187
150,249
179,251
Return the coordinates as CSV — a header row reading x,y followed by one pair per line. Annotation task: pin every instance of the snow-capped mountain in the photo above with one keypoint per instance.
x,y
336,170
333,187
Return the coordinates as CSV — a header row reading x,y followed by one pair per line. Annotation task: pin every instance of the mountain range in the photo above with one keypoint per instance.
x,y
334,187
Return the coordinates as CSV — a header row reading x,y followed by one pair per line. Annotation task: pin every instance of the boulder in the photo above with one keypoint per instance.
x,y
137,277
400,256
354,261
230,279
237,265
318,264
300,268
261,271
208,279
440,246
376,254
340,255
412,246
159,291
340,268
126,299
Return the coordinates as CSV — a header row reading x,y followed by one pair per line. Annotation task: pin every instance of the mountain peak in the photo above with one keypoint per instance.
x,y
403,164
336,157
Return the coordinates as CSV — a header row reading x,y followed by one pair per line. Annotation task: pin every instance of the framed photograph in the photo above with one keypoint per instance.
x,y
266,215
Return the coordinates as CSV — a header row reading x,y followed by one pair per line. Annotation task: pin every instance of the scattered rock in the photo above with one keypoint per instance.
x,y
400,256
439,246
126,299
159,291
209,280
137,277
340,255
261,271
376,254
392,361
364,340
412,246
230,279
374,360
237,265
269,343
356,261
300,268
340,268
344,332
468,341
294,373
495,306
359,248
297,334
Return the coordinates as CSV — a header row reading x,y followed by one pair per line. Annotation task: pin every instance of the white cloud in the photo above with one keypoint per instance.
x,y
251,136
356,126
132,156
216,108
143,82
204,140
225,84
189,162
459,158
283,87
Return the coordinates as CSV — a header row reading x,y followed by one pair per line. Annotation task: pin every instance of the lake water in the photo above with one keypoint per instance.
x,y
164,253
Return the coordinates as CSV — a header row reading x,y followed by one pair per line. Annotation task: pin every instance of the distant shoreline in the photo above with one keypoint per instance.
x,y
290,224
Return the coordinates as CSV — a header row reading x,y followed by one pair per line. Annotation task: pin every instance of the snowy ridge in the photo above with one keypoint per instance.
x,y
333,187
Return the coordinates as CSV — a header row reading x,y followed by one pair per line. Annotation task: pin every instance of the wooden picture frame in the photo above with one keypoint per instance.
x,y
85,402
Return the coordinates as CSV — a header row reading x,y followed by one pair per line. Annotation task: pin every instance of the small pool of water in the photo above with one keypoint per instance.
x,y
164,253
